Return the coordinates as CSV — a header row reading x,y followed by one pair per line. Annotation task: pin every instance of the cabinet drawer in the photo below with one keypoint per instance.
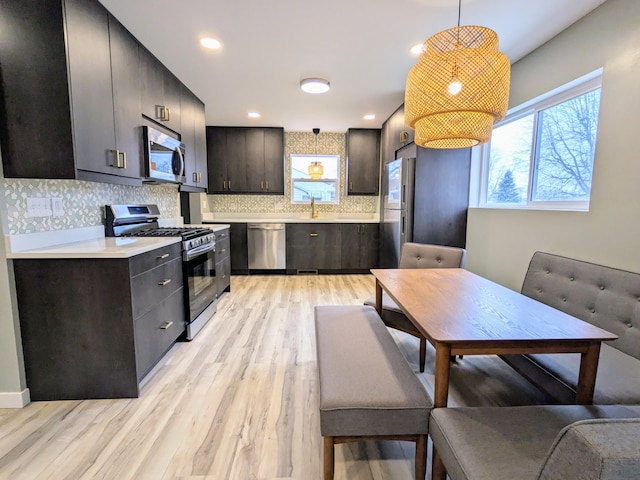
x,y
146,261
223,279
222,249
313,236
151,287
157,330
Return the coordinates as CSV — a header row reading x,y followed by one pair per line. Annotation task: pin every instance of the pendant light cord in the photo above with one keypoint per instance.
x,y
459,10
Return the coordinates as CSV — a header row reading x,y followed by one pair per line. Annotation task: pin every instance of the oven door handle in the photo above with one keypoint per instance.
x,y
196,252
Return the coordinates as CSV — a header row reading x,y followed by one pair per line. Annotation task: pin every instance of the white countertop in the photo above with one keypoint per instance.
x,y
108,247
289,218
88,242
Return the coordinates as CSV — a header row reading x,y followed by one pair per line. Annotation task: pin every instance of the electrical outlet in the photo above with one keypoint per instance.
x,y
57,206
38,207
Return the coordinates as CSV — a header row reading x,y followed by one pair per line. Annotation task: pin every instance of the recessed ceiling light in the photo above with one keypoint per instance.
x,y
314,85
418,49
369,116
254,115
210,43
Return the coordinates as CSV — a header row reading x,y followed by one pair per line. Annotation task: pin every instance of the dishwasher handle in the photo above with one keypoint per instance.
x,y
266,226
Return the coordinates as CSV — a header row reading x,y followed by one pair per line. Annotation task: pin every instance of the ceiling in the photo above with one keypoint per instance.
x,y
360,46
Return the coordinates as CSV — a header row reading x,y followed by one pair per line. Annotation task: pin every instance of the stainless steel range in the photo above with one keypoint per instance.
x,y
198,255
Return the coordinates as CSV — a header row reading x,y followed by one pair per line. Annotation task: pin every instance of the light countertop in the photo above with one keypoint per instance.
x,y
105,247
288,218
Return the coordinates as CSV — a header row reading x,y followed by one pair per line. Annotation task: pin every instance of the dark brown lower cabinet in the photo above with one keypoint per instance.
x,y
223,261
360,246
313,247
93,328
239,249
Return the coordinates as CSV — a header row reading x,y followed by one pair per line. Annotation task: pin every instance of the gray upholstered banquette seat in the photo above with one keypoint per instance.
x,y
603,296
544,442
418,255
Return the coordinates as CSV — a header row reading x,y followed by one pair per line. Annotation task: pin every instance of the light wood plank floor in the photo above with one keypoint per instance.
x,y
239,402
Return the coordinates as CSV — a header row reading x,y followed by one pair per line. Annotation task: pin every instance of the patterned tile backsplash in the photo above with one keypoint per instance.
x,y
82,202
329,143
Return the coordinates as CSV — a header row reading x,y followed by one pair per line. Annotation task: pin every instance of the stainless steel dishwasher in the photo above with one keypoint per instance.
x,y
267,246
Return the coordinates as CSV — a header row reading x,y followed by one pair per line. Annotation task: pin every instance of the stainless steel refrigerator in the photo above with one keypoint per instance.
x,y
397,211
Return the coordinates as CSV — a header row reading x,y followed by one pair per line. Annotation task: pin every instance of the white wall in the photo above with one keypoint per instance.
x,y
500,242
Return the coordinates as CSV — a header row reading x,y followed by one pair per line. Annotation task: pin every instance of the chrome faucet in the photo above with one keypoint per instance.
x,y
314,211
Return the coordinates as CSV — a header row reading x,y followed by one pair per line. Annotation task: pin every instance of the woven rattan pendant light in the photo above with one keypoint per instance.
x,y
458,89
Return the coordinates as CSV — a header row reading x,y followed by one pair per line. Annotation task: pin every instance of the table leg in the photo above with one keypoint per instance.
x,y
587,375
378,297
441,388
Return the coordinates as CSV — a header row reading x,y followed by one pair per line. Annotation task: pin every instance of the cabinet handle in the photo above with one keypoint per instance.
x,y
124,159
313,234
164,282
262,185
116,159
164,255
166,114
199,177
350,186
195,177
166,325
267,185
223,250
404,136
229,184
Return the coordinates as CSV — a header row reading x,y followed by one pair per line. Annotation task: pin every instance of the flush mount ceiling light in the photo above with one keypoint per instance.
x,y
458,89
369,116
417,49
314,85
210,43
253,115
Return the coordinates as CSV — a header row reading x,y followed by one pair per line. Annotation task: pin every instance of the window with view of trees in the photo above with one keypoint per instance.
x,y
323,189
544,155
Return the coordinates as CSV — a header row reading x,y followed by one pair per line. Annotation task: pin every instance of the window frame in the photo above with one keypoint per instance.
x,y
313,157
581,86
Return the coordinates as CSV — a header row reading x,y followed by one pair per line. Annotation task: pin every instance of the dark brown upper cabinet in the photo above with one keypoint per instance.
x,y
193,135
246,160
161,92
363,161
67,99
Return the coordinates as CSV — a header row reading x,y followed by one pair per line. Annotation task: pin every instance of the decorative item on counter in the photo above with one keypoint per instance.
x,y
458,89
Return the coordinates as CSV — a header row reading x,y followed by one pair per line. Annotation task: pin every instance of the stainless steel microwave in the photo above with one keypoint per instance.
x,y
164,156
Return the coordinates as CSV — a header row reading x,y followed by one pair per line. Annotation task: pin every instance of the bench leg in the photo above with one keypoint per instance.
x,y
423,353
328,458
421,457
438,472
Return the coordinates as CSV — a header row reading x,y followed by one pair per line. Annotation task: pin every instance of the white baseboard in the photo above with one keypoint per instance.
x,y
15,399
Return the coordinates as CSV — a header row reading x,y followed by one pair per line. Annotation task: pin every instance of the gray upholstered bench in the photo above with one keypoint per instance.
x,y
558,442
367,389
603,296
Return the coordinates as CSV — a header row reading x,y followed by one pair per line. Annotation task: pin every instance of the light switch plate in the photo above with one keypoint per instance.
x,y
57,206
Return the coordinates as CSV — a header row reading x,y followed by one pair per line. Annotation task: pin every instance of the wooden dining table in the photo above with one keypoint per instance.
x,y
461,313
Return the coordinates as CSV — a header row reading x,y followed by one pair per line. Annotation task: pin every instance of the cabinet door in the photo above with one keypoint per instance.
x,y
126,98
200,143
254,161
188,137
363,161
239,248
151,83
216,138
360,246
236,160
91,90
313,246
34,66
171,100
274,160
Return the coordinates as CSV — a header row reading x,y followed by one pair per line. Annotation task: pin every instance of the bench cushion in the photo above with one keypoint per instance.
x,y
507,443
366,386
595,450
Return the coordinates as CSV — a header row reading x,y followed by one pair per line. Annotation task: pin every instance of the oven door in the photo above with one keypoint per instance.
x,y
200,280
